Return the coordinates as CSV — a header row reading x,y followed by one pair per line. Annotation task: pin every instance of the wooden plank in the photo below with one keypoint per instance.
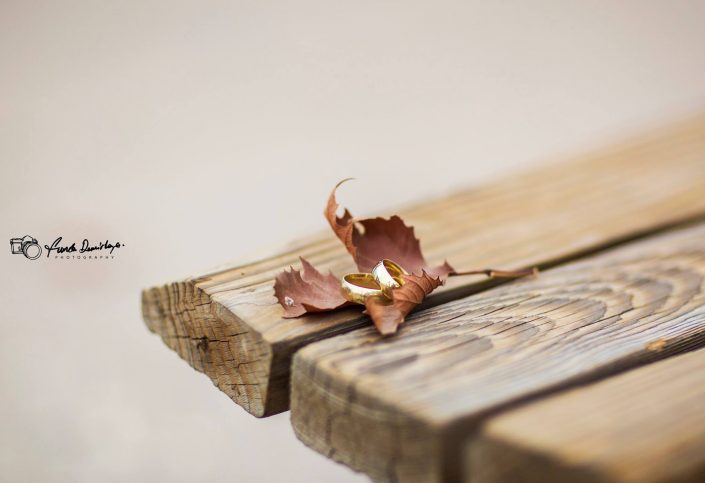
x,y
228,324
398,408
644,425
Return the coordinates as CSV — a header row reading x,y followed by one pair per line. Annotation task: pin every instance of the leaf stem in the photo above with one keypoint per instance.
x,y
491,272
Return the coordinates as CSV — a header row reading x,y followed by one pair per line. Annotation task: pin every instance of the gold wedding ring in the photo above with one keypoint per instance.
x,y
385,277
357,287
389,276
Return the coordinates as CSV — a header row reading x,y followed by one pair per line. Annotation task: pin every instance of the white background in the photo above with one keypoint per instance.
x,y
203,132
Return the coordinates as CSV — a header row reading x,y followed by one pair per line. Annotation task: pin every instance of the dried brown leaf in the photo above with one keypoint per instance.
x,y
388,315
307,290
368,241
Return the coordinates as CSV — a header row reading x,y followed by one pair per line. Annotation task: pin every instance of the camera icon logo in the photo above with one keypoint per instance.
x,y
27,246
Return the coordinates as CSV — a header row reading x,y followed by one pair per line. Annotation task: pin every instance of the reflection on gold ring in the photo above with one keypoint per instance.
x,y
357,287
389,276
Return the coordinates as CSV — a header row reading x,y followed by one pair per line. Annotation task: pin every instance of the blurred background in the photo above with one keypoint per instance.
x,y
199,133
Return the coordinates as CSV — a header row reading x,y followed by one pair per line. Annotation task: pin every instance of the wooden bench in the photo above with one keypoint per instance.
x,y
644,425
622,227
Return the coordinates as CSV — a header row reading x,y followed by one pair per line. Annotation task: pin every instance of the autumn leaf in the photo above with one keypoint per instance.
x,y
307,290
380,238
387,314
369,241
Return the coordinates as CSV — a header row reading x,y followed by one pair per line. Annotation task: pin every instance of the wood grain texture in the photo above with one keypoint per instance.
x,y
228,324
644,425
398,408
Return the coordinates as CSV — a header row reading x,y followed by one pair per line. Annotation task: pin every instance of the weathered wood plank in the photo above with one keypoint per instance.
x,y
228,325
644,425
397,408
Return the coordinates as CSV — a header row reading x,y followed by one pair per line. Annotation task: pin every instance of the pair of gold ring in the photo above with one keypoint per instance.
x,y
385,277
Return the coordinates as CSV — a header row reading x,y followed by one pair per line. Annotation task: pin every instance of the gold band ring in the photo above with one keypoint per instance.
x,y
389,276
357,287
